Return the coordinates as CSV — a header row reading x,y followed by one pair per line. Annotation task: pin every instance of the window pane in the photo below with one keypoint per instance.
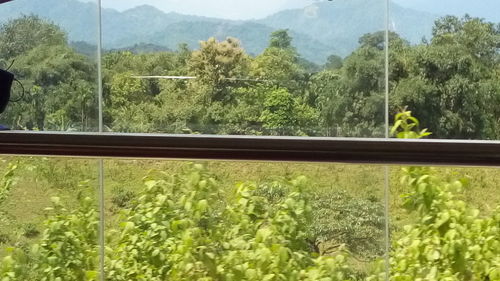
x,y
308,68
242,221
51,46
49,219
445,63
246,221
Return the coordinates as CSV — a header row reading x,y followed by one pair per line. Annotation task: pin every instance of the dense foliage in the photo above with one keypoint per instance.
x,y
179,229
451,82
449,239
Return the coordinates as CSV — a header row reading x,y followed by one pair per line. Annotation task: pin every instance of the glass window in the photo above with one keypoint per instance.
x,y
222,220
50,47
267,68
286,68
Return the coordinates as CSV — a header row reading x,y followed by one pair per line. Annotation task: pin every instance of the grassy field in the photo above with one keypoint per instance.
x,y
37,180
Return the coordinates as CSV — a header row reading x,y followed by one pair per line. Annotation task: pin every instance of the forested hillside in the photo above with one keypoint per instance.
x,y
319,30
451,82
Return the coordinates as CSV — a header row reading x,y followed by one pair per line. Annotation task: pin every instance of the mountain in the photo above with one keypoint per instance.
x,y
140,24
226,9
342,22
319,30
148,25
79,19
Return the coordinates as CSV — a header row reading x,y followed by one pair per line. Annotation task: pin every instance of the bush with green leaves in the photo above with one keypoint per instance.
x,y
181,228
7,181
67,251
343,223
450,240
339,222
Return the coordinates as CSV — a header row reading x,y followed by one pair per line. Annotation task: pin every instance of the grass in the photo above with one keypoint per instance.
x,y
39,179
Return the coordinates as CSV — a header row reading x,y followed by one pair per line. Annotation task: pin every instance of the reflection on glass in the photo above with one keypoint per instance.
x,y
311,68
48,219
51,48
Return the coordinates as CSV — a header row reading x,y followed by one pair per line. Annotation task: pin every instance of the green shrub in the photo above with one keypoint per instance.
x,y
67,251
122,198
341,221
180,229
30,230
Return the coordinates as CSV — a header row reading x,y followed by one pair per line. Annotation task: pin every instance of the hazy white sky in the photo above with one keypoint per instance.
x,y
232,9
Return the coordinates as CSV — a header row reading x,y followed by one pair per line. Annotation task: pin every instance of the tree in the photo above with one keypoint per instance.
x,y
333,62
284,114
280,65
218,66
448,82
277,67
280,39
21,35
481,39
60,90
351,100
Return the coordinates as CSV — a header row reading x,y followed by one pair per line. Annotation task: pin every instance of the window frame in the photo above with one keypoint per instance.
x,y
253,148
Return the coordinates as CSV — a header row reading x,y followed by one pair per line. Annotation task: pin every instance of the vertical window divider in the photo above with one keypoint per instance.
x,y
387,130
102,226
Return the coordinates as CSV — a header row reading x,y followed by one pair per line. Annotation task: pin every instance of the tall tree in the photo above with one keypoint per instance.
x,y
60,88
219,68
450,82
21,35
281,39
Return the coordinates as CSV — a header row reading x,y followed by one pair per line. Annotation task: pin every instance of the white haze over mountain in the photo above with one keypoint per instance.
x,y
256,9
227,9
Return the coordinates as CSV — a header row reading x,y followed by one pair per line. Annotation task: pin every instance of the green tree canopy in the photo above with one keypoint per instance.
x,y
280,39
23,34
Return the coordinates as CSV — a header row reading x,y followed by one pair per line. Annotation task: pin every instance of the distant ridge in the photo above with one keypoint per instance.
x,y
319,30
341,23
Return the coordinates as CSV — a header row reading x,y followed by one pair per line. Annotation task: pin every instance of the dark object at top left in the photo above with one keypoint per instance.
x,y
4,1
6,79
